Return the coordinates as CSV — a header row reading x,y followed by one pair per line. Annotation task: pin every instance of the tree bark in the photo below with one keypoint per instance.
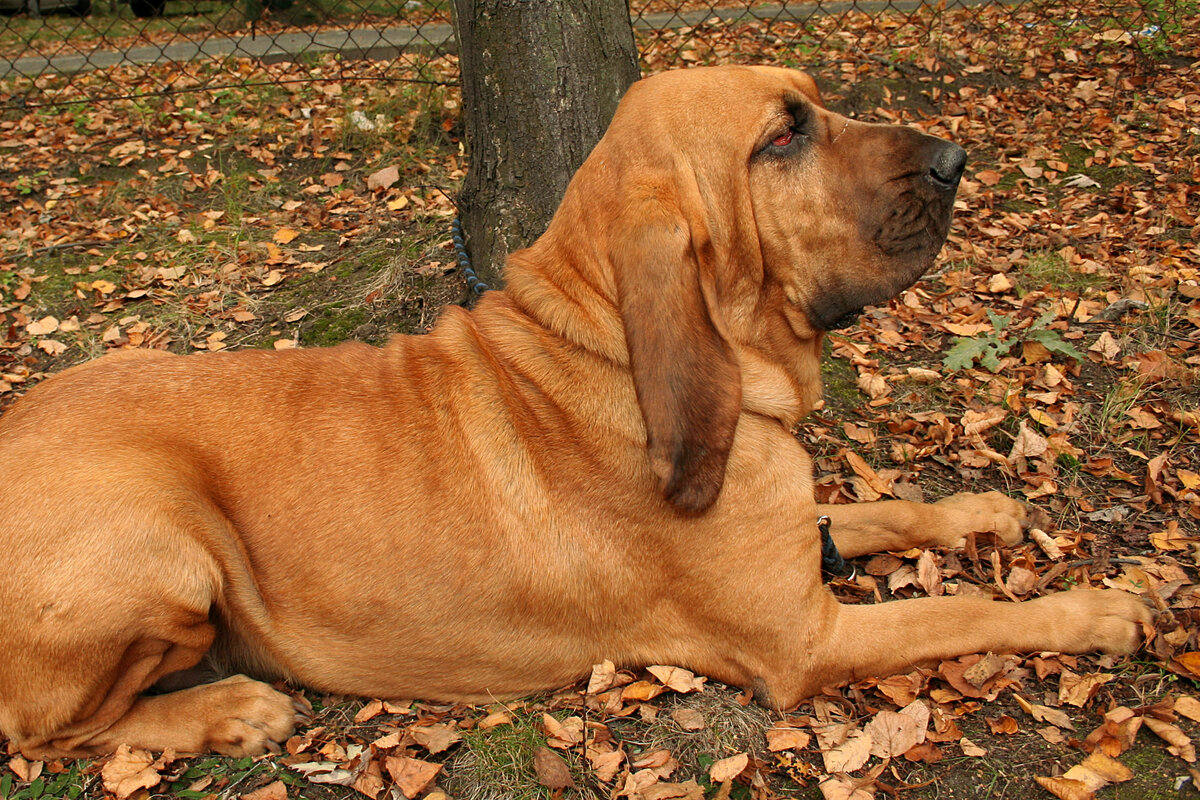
x,y
540,82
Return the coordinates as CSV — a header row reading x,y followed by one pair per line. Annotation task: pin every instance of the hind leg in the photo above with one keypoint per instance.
x,y
95,614
60,703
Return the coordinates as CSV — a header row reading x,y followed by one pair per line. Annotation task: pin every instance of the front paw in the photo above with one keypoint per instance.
x,y
989,512
1087,620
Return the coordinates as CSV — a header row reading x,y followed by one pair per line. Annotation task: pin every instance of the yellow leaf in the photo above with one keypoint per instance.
x,y
285,235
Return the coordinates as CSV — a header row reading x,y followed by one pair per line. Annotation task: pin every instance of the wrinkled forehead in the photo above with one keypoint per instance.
x,y
710,103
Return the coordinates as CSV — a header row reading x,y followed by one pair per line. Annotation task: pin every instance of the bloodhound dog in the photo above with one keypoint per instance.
x,y
596,463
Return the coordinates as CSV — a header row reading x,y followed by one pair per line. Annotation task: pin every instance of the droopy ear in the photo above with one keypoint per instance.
x,y
687,380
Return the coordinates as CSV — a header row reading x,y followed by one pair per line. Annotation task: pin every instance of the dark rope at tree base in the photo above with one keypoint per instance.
x,y
477,286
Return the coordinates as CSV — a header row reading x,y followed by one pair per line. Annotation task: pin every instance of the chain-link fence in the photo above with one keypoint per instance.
x,y
61,51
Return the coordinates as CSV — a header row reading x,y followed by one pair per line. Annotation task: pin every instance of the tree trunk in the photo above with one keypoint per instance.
x,y
540,82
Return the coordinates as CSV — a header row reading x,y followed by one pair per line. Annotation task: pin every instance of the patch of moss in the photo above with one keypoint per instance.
x,y
335,324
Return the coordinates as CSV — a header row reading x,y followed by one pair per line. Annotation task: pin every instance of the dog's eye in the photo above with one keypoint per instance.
x,y
785,142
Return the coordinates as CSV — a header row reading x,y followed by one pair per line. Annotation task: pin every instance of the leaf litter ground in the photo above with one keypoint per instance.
x,y
1069,293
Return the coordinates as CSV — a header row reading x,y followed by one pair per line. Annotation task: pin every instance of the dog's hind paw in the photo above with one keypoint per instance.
x,y
252,719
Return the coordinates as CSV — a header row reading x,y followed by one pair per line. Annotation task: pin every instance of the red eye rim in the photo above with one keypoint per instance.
x,y
783,140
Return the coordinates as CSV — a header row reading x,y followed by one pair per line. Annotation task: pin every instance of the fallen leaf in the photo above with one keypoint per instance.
x,y
43,327
411,775
1004,724
841,787
971,749
285,235
605,765
435,738
689,719
604,677
130,770
564,734
678,679
369,711
25,770
1188,706
552,771
892,734
849,755
276,790
1077,690
1047,544
728,768
384,178
1178,743
779,739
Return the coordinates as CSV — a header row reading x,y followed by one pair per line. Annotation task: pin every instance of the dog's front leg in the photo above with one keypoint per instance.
x,y
860,528
885,638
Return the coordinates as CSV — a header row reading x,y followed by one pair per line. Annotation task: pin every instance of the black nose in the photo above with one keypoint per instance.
x,y
948,164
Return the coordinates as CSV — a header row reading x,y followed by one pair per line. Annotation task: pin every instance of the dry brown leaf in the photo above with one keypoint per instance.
x,y
604,677
1078,690
873,385
642,690
677,678
606,764
1188,706
25,770
928,574
276,790
1047,544
1052,735
411,775
1045,714
384,178
495,719
130,770
1003,725
369,711
1028,444
840,787
43,327
565,734
779,739
1066,788
728,768
1021,581
892,734
850,755
1178,743
689,719
435,738
971,749
285,235
983,670
368,780
552,771
921,715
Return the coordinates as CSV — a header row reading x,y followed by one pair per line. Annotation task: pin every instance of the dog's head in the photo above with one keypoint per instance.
x,y
728,219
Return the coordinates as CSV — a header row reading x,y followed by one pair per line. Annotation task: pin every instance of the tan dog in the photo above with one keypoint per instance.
x,y
596,463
